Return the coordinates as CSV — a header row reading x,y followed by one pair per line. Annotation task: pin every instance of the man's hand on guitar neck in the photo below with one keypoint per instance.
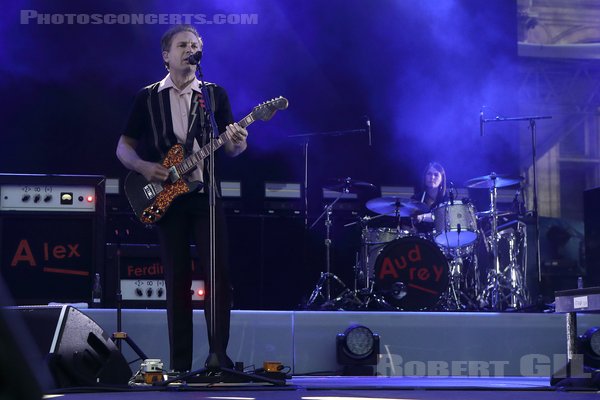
x,y
238,137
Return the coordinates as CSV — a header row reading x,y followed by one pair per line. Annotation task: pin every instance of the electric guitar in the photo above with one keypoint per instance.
x,y
151,200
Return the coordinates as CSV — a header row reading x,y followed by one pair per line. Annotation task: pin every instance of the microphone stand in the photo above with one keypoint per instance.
x,y
120,335
306,137
214,366
532,126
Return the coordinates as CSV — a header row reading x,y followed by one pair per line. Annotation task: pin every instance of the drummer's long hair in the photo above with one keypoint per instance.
x,y
442,188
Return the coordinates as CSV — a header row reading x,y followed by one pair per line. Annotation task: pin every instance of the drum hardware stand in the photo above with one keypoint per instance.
x,y
345,297
456,297
493,294
327,276
504,286
519,296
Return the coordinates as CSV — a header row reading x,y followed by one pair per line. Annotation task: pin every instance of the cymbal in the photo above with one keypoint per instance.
x,y
488,213
347,183
394,205
487,181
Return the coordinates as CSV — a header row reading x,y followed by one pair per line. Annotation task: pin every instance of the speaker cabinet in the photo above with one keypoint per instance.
x,y
268,262
51,236
591,218
77,350
141,276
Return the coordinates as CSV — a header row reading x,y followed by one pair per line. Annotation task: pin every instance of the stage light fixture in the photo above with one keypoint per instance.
x,y
589,345
357,350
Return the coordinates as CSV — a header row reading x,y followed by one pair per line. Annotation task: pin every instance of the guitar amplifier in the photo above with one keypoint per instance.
x,y
51,236
142,277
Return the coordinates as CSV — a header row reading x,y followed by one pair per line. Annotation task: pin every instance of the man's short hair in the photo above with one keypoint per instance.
x,y
167,37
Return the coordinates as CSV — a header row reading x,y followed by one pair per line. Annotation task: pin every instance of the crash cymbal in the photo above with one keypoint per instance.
x,y
393,205
487,181
347,183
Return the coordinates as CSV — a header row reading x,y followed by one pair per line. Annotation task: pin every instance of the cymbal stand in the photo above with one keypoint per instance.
x,y
492,292
326,276
518,295
505,287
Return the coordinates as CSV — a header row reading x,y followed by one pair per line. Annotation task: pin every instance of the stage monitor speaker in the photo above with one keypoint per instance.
x,y
77,350
51,236
23,374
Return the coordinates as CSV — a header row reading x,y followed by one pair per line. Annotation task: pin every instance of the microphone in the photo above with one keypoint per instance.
x,y
195,58
481,121
451,194
368,123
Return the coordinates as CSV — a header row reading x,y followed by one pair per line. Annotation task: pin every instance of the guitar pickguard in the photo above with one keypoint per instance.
x,y
169,191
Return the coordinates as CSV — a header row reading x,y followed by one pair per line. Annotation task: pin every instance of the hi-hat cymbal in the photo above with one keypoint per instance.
x,y
347,183
489,181
393,205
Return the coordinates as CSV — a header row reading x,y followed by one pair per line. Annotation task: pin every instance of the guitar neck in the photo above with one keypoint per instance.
x,y
190,162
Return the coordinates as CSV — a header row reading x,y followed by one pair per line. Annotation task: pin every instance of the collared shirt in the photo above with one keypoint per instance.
x,y
180,110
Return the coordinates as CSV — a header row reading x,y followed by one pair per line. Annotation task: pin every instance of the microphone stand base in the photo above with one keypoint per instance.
x,y
211,376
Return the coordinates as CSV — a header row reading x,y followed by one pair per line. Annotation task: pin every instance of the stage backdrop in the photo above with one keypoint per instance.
x,y
419,71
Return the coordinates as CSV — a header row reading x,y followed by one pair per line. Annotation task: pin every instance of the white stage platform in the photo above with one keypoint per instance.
x,y
412,343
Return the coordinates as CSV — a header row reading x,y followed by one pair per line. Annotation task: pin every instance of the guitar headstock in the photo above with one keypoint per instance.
x,y
266,110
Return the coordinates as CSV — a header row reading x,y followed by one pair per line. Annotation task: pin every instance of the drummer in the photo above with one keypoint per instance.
x,y
432,193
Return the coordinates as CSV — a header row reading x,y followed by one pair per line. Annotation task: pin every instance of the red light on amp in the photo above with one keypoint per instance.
x,y
198,290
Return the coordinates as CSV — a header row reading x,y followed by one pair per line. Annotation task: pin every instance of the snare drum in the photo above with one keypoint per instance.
x,y
455,224
411,273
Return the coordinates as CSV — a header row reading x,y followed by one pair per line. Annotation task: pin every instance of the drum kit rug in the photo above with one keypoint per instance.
x,y
467,262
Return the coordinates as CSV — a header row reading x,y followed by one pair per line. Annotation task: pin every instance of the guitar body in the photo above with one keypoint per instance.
x,y
150,200
150,205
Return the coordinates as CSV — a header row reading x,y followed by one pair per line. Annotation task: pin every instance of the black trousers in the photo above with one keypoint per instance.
x,y
188,219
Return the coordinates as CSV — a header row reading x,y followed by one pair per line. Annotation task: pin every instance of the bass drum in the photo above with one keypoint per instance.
x,y
411,273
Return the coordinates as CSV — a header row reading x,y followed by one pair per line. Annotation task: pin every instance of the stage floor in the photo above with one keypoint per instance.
x,y
354,388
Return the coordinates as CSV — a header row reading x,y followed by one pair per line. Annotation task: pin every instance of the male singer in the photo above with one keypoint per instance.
x,y
165,113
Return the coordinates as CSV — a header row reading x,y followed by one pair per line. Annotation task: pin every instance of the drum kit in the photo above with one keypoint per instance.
x,y
467,262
